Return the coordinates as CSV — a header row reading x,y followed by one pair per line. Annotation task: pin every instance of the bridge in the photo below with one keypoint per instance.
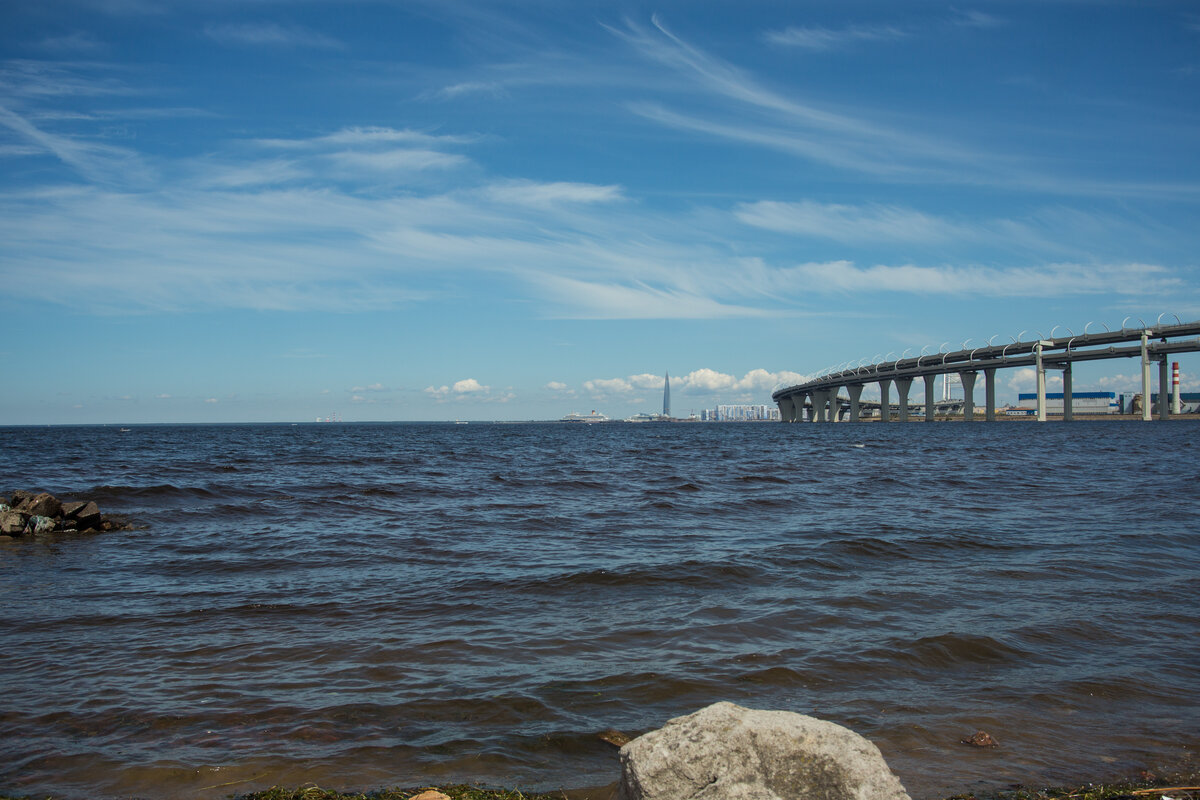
x,y
820,396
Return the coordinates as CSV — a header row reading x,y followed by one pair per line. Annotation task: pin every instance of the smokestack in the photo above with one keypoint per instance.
x,y
1175,387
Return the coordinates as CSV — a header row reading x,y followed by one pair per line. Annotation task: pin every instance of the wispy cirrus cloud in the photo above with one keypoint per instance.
x,y
539,194
782,122
974,18
821,38
269,34
75,42
1050,232
1131,279
849,223
48,79
95,161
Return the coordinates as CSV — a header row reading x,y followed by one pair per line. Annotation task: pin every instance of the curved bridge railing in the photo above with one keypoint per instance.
x,y
1147,342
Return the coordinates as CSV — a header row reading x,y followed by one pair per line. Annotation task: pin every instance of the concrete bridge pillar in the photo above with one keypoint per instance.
x,y
1068,402
1164,390
1041,382
1145,377
787,409
929,408
855,395
989,394
885,403
968,383
818,406
902,387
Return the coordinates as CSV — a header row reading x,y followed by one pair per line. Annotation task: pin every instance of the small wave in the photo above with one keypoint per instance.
x,y
165,490
949,650
762,479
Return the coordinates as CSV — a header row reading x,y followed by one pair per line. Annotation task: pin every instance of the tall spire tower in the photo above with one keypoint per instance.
x,y
667,394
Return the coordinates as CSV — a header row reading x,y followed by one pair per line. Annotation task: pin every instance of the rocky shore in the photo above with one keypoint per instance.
x,y
27,513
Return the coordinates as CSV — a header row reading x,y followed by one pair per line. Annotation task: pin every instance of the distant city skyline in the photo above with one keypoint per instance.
x,y
491,210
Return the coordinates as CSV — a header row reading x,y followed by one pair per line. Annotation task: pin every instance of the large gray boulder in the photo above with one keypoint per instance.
x,y
726,752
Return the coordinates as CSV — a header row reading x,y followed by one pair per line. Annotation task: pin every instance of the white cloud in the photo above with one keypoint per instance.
x,y
212,400
374,387
556,386
606,387
756,382
163,396
1024,379
469,386
1124,383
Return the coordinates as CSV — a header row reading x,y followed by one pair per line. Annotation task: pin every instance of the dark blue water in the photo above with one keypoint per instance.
x,y
366,605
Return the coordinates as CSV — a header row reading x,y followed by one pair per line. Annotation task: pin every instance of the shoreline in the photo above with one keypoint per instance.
x,y
1175,786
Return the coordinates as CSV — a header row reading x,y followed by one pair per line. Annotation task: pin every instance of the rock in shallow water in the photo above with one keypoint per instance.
x,y
726,752
29,513
41,505
12,522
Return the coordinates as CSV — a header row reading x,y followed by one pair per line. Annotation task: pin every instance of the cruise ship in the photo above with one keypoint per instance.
x,y
595,416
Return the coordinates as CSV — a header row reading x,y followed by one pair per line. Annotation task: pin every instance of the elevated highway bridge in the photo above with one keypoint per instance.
x,y
820,397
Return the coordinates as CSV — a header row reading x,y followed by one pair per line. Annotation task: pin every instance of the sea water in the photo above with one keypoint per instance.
x,y
364,605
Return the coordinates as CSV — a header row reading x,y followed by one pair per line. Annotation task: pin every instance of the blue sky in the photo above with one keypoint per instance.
x,y
283,209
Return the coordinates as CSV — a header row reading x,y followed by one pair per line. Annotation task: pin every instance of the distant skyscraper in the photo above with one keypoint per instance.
x,y
667,394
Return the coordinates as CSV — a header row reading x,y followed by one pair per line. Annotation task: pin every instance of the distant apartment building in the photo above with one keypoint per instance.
x,y
742,413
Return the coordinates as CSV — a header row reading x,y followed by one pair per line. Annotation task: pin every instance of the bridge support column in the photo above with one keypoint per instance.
x,y
1164,390
1041,382
902,387
968,383
885,403
819,399
787,409
1068,403
855,395
967,380
1145,377
929,409
989,394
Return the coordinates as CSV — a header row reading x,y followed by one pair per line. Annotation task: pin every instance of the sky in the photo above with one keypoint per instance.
x,y
279,210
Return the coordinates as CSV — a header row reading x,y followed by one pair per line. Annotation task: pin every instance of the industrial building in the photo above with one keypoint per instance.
x,y
1081,402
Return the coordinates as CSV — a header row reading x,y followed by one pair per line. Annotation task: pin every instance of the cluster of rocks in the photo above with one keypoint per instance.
x,y
28,513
